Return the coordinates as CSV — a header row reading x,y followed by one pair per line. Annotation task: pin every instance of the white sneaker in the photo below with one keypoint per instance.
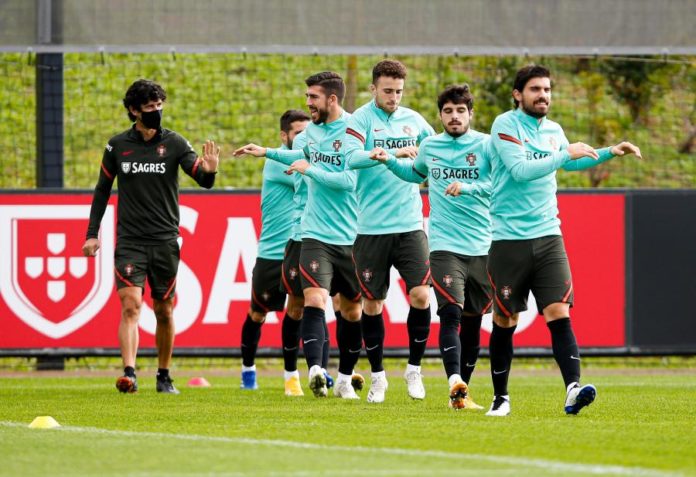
x,y
578,397
414,382
343,388
500,406
378,387
317,381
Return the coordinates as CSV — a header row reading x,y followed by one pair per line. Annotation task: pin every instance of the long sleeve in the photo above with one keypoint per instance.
x,y
356,155
587,162
407,169
285,156
345,180
102,191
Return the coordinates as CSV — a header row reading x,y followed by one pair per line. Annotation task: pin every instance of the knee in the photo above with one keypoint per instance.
x,y
556,311
352,313
315,299
420,296
295,306
373,307
130,310
506,321
257,316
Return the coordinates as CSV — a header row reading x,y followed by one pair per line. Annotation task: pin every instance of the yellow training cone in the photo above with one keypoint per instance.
x,y
44,422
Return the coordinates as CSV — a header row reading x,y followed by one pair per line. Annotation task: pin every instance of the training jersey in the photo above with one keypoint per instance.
x,y
330,214
525,156
460,224
387,205
148,184
277,204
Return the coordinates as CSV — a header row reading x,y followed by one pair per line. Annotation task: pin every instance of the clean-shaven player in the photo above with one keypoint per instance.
x,y
457,166
390,223
527,252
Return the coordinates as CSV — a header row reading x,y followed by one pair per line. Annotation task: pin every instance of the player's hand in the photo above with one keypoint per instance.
x,y
211,157
300,166
379,154
454,189
89,249
624,148
580,149
408,151
251,149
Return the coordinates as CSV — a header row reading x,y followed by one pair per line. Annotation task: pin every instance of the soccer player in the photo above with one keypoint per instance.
x,y
457,166
268,294
146,159
328,232
390,223
527,252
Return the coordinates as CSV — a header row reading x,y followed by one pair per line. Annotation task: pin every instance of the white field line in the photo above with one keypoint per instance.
x,y
542,464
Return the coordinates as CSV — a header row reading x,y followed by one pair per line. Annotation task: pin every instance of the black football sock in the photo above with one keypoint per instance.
x,y
162,374
450,347
251,333
349,346
325,348
373,335
129,371
501,358
418,325
470,338
565,349
313,334
291,342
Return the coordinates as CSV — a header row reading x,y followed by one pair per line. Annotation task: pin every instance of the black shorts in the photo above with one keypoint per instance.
x,y
291,281
329,267
461,279
517,266
158,263
265,286
374,256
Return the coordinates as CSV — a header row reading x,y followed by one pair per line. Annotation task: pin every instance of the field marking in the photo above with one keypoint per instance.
x,y
555,466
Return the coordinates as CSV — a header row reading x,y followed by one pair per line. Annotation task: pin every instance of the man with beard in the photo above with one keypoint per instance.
x,y
390,225
457,166
328,231
267,292
527,252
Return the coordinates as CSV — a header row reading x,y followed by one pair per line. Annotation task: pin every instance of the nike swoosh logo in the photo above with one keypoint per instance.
x,y
378,130
370,349
447,349
354,350
289,349
435,160
575,358
309,341
470,365
421,341
499,372
126,153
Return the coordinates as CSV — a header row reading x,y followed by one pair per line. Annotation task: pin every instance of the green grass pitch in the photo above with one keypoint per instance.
x,y
643,423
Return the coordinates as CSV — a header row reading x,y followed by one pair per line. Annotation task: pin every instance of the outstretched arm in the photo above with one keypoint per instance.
x,y
621,149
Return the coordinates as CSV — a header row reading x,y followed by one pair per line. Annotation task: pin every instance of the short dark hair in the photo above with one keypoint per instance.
x,y
142,92
456,94
290,116
525,74
330,82
390,68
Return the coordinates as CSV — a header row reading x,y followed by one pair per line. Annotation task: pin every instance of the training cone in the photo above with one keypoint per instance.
x,y
44,422
198,383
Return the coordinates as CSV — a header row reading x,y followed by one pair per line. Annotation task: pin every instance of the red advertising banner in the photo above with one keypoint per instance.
x,y
52,296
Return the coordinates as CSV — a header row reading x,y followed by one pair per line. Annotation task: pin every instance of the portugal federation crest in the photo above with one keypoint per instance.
x,y
408,131
471,159
314,266
292,272
161,150
447,280
337,145
367,275
506,291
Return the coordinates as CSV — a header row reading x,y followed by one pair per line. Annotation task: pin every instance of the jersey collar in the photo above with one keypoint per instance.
x,y
528,120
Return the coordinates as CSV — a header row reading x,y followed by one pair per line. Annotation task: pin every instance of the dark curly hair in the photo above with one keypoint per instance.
x,y
142,92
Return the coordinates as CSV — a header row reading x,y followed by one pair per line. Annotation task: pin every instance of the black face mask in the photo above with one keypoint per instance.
x,y
151,119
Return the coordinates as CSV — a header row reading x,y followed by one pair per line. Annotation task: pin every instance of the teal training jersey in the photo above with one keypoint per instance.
x,y
386,204
460,224
526,154
277,204
330,214
300,187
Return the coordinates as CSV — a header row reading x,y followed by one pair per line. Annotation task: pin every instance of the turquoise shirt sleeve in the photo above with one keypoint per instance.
x,y
587,162
345,180
285,156
510,149
356,132
409,170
